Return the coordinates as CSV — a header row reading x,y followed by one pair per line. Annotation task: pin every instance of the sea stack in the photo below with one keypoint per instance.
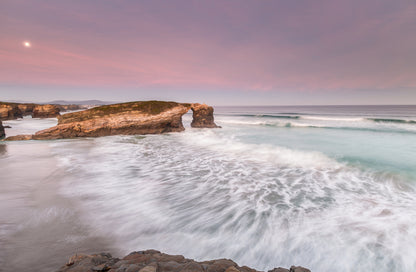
x,y
45,111
203,116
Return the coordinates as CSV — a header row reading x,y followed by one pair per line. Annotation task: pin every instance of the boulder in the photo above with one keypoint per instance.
x,y
45,111
2,133
203,116
152,261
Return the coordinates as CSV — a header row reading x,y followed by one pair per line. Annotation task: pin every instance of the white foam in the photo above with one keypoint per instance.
x,y
328,118
28,125
206,189
258,152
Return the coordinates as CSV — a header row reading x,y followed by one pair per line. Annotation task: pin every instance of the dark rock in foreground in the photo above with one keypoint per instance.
x,y
155,261
2,134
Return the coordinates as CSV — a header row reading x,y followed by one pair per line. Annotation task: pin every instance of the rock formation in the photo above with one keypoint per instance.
x,y
45,111
203,116
149,117
9,111
142,117
26,108
2,133
155,261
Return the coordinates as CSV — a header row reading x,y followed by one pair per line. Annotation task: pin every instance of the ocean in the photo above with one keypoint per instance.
x,y
330,188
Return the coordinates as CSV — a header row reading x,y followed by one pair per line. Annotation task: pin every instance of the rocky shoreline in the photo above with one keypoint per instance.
x,y
11,111
155,261
132,118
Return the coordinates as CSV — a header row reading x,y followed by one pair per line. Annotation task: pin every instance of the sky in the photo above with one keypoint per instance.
x,y
228,52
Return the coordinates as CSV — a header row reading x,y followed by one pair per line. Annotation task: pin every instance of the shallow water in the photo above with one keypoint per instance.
x,y
335,197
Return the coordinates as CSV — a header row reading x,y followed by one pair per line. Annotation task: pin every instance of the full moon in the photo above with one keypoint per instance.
x,y
27,44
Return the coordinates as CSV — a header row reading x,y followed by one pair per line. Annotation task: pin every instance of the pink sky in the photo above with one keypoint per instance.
x,y
240,52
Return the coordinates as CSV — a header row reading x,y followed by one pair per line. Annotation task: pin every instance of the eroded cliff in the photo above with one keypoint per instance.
x,y
10,111
45,111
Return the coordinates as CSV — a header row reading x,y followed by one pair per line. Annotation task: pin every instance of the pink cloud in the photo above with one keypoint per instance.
x,y
220,46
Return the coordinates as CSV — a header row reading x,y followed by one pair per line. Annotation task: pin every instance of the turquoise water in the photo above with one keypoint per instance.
x,y
345,133
328,188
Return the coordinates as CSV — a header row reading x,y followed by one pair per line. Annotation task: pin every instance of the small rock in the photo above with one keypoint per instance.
x,y
279,269
247,269
133,268
192,267
298,269
170,266
232,269
76,258
149,268
101,268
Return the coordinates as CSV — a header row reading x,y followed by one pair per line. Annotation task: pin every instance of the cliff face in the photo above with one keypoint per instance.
x,y
45,111
2,134
150,117
155,261
9,111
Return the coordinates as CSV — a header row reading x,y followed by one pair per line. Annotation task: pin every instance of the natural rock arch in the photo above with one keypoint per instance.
x,y
142,117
